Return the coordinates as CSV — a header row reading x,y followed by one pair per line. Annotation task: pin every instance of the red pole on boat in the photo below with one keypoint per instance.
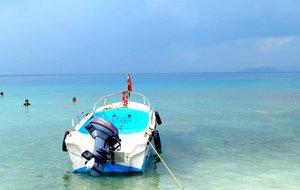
x,y
124,98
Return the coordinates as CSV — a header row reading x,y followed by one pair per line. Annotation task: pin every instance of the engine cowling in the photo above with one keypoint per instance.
x,y
106,142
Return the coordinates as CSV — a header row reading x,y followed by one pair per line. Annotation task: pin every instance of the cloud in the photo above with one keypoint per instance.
x,y
274,42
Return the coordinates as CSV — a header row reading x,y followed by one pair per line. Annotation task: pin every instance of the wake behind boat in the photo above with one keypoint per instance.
x,y
116,136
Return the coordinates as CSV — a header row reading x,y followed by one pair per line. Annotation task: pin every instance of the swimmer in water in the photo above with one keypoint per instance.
x,y
74,99
26,103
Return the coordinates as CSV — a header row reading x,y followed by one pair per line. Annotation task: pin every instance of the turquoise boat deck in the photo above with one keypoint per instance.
x,y
126,120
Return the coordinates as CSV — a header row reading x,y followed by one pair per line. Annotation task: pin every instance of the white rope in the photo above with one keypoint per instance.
x,y
169,170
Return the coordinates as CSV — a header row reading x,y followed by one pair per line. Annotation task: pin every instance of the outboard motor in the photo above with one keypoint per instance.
x,y
106,142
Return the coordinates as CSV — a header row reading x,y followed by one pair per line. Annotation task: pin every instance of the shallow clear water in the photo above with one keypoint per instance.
x,y
220,131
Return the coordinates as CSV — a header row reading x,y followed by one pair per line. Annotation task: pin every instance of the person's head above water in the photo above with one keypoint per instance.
x,y
74,99
1,93
26,103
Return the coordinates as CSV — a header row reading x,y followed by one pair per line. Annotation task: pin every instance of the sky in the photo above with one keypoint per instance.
x,y
148,36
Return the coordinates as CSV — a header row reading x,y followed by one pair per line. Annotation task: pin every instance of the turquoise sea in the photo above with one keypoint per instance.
x,y
220,130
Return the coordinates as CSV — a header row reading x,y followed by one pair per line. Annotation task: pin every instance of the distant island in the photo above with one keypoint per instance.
x,y
266,69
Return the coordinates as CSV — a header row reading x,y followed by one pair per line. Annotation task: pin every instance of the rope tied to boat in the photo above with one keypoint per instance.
x,y
169,170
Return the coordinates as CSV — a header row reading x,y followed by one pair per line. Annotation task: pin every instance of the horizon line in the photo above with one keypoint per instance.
x,y
76,74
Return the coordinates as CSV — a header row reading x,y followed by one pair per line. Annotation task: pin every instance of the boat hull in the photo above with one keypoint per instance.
x,y
135,124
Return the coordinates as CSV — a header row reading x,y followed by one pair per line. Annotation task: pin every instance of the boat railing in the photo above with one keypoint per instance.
x,y
140,98
78,118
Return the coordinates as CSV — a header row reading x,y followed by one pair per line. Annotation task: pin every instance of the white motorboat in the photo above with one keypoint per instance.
x,y
115,136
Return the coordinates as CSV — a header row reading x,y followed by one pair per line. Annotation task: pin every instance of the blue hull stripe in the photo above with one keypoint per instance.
x,y
81,170
109,168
